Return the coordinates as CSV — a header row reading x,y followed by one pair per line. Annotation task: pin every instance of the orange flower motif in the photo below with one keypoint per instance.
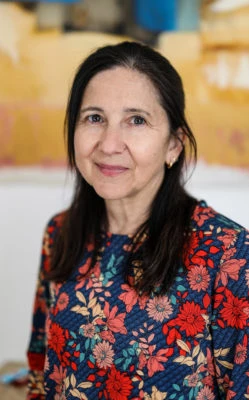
x,y
118,385
190,319
115,322
201,215
235,311
130,297
58,375
229,238
228,253
56,338
154,362
230,269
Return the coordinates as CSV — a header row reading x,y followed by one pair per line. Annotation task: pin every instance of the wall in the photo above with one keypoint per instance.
x,y
29,198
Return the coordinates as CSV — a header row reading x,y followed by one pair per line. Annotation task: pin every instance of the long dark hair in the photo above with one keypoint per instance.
x,y
168,225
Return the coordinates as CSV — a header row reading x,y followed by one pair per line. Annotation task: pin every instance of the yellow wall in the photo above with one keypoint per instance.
x,y
36,69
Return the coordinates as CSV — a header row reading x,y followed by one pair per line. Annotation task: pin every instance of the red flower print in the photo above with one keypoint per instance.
x,y
190,319
235,311
229,253
205,394
103,353
115,322
58,375
202,214
118,385
229,269
159,308
240,354
63,301
130,297
56,338
198,257
195,239
229,238
83,274
173,335
198,278
210,363
65,359
40,304
208,380
154,362
107,335
142,360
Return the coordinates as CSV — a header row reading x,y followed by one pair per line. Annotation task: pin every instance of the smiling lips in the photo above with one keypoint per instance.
x,y
111,170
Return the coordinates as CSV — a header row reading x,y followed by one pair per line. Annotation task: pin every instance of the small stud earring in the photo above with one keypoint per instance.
x,y
171,163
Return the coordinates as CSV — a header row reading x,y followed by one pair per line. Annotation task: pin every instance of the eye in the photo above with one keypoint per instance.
x,y
94,118
137,120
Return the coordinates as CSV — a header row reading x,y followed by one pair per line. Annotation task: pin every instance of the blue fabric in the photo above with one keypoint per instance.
x,y
156,15
94,337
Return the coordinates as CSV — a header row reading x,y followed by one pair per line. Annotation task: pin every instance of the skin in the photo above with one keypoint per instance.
x,y
122,143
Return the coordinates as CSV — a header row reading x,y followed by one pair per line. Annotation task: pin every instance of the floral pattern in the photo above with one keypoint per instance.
x,y
94,337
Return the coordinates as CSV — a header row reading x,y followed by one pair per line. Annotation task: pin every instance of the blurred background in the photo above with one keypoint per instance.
x,y
41,45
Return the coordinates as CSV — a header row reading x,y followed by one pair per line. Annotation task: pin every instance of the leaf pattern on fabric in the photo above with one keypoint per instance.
x,y
94,337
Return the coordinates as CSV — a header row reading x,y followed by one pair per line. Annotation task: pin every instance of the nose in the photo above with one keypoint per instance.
x,y
111,140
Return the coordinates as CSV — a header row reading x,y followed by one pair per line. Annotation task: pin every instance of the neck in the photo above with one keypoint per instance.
x,y
124,218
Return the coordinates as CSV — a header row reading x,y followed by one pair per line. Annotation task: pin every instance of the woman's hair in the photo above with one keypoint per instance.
x,y
168,225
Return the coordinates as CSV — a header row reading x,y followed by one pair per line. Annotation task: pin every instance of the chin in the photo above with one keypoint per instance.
x,y
112,194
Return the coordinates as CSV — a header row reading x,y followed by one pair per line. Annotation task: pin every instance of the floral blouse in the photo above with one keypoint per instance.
x,y
95,338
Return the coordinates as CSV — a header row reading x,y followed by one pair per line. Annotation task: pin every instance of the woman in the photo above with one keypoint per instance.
x,y
143,290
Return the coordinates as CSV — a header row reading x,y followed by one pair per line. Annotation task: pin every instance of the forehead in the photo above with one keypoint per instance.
x,y
122,83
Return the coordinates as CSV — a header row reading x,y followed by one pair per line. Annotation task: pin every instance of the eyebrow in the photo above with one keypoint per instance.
x,y
91,108
133,110
137,110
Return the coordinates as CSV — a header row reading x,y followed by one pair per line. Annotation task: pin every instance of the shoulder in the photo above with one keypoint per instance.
x,y
52,229
55,223
218,234
219,248
205,217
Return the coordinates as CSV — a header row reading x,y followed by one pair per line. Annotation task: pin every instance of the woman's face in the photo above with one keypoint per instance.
x,y
122,138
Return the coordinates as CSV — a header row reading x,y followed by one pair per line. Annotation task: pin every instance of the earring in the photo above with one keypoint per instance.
x,y
171,163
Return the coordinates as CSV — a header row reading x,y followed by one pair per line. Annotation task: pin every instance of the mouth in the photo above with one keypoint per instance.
x,y
111,170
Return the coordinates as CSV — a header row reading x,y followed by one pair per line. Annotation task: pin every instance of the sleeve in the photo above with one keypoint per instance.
x,y
230,324
37,345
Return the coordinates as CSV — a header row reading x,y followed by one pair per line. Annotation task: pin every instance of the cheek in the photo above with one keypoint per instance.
x,y
152,154
82,146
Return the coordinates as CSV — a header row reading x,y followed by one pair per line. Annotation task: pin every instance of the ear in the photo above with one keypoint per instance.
x,y
176,143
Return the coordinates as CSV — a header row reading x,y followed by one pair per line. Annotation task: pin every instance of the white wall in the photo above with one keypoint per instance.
x,y
29,198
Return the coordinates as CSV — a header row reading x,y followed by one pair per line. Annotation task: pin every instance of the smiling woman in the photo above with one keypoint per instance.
x,y
123,141
138,279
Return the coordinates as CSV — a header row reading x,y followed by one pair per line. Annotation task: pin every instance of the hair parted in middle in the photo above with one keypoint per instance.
x,y
168,225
